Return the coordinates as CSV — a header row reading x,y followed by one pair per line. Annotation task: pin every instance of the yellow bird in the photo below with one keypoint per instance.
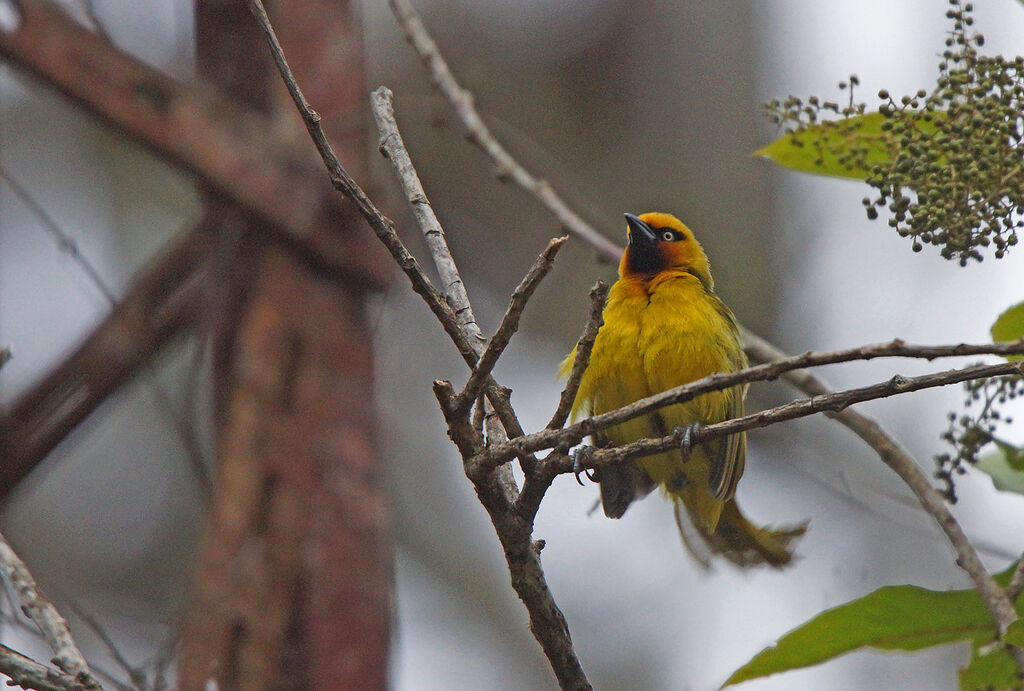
x,y
664,326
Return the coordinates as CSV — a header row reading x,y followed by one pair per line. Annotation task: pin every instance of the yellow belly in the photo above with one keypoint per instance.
x,y
658,336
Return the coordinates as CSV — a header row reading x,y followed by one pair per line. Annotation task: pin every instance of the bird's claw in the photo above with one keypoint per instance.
x,y
685,436
579,457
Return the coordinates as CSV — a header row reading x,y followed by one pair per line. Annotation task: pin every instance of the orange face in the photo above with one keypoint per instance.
x,y
661,242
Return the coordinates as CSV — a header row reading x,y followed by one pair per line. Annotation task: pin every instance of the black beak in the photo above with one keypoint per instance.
x,y
639,232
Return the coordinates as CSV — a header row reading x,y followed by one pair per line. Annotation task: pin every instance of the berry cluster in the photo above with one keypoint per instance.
x,y
948,165
970,432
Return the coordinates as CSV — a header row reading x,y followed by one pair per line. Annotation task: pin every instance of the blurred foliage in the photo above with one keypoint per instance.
x,y
1009,326
990,669
901,617
948,165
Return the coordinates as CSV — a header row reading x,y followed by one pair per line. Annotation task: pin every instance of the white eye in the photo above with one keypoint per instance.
x,y
668,235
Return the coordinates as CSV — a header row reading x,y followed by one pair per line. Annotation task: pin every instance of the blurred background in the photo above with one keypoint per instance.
x,y
623,107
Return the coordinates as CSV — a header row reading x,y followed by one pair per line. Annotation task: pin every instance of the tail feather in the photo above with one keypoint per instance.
x,y
736,538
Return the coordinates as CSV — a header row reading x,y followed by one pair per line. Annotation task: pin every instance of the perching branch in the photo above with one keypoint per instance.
x,y
830,402
52,625
574,434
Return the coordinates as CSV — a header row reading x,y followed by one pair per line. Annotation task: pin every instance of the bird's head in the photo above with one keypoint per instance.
x,y
660,242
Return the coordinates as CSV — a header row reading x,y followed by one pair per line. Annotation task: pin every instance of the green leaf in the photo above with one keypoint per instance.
x,y
1009,326
823,149
1005,465
1015,634
991,669
901,617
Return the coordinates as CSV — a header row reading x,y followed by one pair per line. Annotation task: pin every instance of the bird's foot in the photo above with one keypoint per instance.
x,y
579,458
685,437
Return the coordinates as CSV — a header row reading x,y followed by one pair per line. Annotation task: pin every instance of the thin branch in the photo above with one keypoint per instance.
x,y
29,674
903,464
829,402
135,675
509,324
550,438
393,148
598,295
64,241
478,133
52,625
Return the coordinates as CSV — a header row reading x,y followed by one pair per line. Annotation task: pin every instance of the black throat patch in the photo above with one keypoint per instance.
x,y
644,258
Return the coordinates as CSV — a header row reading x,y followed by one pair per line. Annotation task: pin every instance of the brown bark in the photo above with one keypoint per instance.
x,y
162,300
293,586
231,149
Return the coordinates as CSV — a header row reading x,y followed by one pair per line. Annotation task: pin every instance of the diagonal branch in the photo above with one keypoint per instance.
x,y
29,674
598,295
393,148
54,628
235,151
508,326
507,167
162,301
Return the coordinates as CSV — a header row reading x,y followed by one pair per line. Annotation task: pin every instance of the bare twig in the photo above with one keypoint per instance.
x,y
135,675
823,403
598,295
903,464
551,438
66,243
393,148
52,625
29,674
509,324
506,166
